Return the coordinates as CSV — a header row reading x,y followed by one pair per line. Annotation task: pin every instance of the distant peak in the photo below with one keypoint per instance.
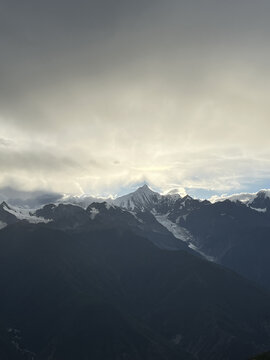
x,y
187,197
172,192
4,204
144,188
262,193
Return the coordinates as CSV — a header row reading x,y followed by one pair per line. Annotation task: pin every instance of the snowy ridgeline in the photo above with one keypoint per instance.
x,y
167,210
245,198
21,214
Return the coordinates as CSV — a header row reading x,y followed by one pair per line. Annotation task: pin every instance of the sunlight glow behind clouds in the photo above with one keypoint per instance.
x,y
172,95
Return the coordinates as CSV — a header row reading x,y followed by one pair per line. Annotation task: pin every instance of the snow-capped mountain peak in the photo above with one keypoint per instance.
x,y
141,199
11,214
145,189
263,194
172,195
82,200
253,200
4,205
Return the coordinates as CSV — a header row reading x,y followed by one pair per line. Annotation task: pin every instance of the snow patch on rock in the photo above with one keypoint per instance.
x,y
2,225
93,213
25,214
258,209
180,233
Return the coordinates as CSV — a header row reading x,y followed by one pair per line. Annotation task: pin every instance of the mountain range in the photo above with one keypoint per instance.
x,y
144,276
230,232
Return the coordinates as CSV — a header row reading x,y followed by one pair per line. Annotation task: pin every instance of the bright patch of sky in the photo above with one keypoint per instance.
x,y
99,97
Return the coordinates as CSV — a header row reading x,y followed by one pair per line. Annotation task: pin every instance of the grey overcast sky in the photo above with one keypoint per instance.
x,y
97,96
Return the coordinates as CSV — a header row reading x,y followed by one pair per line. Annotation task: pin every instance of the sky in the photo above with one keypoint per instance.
x,y
101,96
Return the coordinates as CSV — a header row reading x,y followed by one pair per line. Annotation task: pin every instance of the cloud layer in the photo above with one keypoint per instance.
x,y
96,96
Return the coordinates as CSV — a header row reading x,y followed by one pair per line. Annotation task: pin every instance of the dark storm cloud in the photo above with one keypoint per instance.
x,y
31,199
35,160
45,45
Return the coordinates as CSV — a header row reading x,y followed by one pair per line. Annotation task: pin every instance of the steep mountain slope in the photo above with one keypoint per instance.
x,y
5,216
217,227
106,216
145,199
261,202
10,215
258,200
233,233
81,200
250,256
64,304
142,199
99,294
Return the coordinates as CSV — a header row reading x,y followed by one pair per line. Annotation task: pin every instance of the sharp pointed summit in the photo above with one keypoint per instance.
x,y
144,189
144,198
141,199
4,205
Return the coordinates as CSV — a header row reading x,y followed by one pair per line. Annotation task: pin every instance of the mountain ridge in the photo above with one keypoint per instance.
x,y
231,233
